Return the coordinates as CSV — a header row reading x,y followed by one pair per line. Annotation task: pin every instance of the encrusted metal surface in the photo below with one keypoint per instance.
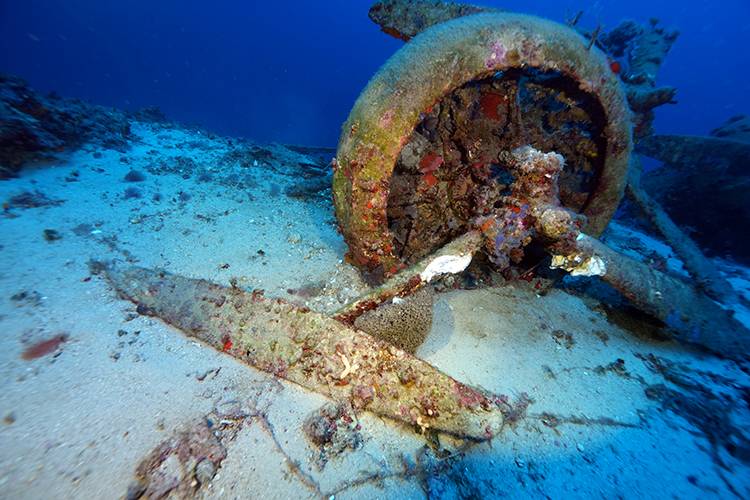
x,y
424,139
314,351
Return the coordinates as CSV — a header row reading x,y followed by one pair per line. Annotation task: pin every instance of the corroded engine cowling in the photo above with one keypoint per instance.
x,y
418,160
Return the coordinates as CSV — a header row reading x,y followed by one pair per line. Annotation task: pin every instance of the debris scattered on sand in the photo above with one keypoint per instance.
x,y
132,193
332,429
30,199
44,347
28,298
563,338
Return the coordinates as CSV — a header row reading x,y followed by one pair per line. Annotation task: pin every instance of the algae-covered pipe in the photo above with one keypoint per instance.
x,y
313,351
702,270
691,316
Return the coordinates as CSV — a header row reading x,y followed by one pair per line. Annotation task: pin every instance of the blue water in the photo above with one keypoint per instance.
x,y
289,71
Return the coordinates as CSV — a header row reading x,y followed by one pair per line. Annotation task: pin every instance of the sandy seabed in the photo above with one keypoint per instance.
x,y
90,388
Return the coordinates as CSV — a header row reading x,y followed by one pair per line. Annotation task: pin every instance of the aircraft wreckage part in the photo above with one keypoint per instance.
x,y
532,210
417,163
451,259
694,151
645,47
313,351
703,271
691,316
703,185
405,19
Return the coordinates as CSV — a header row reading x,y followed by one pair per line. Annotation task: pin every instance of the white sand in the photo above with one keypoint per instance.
x,y
78,421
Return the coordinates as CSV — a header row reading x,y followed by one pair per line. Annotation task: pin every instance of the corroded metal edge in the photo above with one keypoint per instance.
x,y
430,66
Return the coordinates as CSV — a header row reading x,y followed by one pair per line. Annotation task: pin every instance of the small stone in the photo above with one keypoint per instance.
x,y
205,471
51,235
132,193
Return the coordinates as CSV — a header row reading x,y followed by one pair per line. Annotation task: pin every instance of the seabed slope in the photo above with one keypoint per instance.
x,y
612,413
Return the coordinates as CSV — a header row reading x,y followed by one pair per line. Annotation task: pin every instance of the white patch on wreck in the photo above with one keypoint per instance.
x,y
593,266
445,264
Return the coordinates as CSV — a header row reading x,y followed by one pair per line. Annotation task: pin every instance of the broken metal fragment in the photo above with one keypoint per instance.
x,y
451,259
690,315
736,128
532,210
692,151
644,49
404,19
313,351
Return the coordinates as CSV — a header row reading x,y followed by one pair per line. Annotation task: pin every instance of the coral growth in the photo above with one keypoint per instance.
x,y
642,49
404,322
33,126
332,429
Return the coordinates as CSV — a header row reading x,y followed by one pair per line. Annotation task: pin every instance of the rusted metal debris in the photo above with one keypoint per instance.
x,y
406,19
642,50
431,152
690,316
705,274
442,158
452,258
692,151
709,171
313,351
532,211
417,162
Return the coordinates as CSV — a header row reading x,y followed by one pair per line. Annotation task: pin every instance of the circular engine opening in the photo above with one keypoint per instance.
x,y
450,172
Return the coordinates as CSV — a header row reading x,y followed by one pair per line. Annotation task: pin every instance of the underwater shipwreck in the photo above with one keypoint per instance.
x,y
492,150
